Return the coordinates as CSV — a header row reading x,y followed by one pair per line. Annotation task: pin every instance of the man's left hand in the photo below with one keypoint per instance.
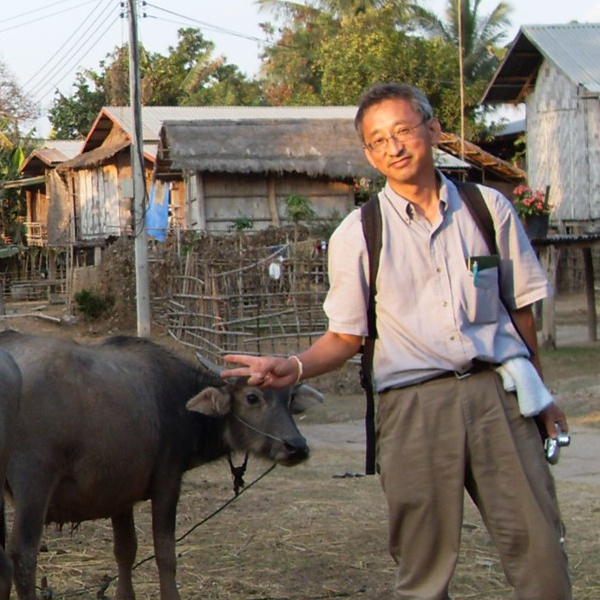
x,y
551,416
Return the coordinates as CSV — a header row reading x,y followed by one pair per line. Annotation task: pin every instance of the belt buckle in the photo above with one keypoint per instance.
x,y
462,375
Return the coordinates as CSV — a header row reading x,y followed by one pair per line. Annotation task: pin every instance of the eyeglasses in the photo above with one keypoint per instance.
x,y
400,134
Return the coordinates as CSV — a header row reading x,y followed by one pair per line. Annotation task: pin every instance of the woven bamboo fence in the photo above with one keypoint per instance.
x,y
265,300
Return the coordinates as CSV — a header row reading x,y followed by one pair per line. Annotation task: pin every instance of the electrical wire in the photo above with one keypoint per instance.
x,y
82,34
42,18
74,51
29,12
67,68
210,27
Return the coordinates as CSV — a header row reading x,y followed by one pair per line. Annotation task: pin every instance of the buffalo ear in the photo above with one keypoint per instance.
x,y
211,402
303,397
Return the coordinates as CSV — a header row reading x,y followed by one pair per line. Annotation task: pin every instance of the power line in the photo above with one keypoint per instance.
x,y
29,22
29,12
68,68
210,27
66,60
90,15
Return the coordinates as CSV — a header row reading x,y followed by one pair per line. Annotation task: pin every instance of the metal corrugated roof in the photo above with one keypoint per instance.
x,y
70,148
481,158
574,48
154,116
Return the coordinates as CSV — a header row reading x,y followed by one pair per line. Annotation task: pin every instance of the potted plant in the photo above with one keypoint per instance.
x,y
534,209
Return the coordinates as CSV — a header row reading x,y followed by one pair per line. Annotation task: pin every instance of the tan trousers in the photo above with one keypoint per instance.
x,y
440,437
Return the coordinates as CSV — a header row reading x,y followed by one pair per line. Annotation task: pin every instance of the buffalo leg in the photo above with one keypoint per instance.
x,y
164,511
28,525
125,549
6,570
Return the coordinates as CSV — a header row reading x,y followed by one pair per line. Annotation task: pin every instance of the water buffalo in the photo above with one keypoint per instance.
x,y
104,426
10,392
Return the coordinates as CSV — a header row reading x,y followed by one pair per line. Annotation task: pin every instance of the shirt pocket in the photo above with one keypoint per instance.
x,y
482,296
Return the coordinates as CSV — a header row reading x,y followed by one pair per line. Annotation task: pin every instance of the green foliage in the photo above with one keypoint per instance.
x,y
331,51
481,35
242,223
188,75
12,200
72,116
298,208
92,306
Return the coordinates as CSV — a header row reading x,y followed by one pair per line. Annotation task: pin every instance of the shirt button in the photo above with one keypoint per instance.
x,y
444,303
452,338
438,270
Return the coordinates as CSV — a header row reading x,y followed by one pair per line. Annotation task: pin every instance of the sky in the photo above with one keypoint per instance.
x,y
46,42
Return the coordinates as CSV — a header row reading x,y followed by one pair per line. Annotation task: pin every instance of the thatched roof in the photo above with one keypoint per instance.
x,y
315,147
94,157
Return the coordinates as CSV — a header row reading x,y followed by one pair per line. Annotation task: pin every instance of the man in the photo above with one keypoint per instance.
x,y
444,421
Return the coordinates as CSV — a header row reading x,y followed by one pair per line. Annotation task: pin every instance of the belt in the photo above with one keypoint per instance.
x,y
477,366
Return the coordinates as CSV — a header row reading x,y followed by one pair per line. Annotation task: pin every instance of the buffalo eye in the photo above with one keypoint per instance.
x,y
252,399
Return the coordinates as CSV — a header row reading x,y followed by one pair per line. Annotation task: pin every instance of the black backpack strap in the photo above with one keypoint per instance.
x,y
371,224
471,195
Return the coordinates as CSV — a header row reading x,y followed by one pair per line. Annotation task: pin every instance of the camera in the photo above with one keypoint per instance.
x,y
552,445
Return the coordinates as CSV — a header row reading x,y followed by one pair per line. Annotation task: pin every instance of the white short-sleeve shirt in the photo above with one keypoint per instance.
x,y
435,311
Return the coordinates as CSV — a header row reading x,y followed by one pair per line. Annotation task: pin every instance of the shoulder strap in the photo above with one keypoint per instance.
x,y
471,195
371,224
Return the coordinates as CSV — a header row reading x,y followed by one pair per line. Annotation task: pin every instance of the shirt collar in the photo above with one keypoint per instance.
x,y
448,198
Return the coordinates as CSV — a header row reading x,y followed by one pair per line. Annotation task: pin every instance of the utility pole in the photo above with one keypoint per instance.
x,y
142,294
461,78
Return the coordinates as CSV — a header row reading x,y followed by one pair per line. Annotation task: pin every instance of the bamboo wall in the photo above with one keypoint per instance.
x,y
563,146
238,304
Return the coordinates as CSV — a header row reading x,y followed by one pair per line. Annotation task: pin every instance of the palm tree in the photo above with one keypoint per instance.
x,y
337,9
482,35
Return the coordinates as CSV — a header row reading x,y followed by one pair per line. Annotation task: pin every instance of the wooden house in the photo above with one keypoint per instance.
x,y
555,71
97,186
246,168
39,182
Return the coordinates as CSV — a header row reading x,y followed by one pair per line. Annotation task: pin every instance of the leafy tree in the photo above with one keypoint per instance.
x,y
72,116
12,202
187,75
482,35
16,111
332,50
15,107
292,66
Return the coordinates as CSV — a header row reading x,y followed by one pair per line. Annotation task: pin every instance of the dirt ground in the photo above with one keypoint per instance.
x,y
317,530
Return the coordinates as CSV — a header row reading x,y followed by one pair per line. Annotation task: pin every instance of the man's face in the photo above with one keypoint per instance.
x,y
407,159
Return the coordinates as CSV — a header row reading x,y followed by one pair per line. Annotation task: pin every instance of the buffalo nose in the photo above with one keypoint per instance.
x,y
297,451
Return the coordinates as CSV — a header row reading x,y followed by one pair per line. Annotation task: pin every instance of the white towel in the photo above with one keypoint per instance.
x,y
518,374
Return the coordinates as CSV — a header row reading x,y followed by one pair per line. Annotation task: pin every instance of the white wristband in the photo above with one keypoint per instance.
x,y
300,368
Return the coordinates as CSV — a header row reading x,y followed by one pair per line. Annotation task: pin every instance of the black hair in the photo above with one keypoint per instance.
x,y
391,91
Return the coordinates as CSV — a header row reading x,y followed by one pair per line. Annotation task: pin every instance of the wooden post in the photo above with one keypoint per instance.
x,y
272,201
590,294
2,303
200,202
549,260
